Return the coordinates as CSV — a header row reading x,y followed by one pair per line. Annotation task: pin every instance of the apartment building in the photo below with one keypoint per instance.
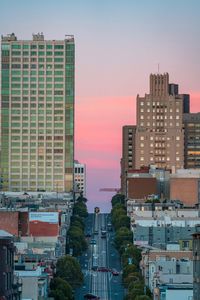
x,y
196,262
168,274
159,133
37,115
192,140
80,177
128,154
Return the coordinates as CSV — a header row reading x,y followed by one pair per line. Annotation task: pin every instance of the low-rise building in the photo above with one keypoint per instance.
x,y
185,186
167,269
140,185
158,227
196,261
10,287
37,279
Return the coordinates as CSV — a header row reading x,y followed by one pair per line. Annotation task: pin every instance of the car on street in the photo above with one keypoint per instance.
x,y
91,297
96,232
109,226
115,272
103,269
88,234
94,268
93,242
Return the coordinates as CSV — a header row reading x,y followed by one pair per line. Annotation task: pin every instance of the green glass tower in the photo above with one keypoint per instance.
x,y
37,114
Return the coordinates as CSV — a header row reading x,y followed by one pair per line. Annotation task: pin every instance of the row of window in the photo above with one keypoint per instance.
x,y
35,46
35,99
160,158
35,72
160,124
35,92
159,110
160,117
159,104
37,53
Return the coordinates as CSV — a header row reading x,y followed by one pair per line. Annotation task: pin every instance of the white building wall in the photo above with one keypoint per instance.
x,y
179,294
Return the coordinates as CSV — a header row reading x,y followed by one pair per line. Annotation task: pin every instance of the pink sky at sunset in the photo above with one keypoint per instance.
x,y
99,124
118,44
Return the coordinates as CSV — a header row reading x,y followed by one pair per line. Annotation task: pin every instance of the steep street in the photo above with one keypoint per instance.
x,y
99,261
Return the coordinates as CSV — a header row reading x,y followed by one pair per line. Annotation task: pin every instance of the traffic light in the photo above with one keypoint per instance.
x,y
96,210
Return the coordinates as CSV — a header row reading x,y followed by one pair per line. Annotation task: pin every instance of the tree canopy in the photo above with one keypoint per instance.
x,y
60,289
118,198
68,268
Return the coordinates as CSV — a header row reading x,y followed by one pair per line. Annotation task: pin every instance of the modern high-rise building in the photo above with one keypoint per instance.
x,y
80,177
191,124
160,134
128,153
37,113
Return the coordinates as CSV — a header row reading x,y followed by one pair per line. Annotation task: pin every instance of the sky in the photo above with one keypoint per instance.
x,y
118,44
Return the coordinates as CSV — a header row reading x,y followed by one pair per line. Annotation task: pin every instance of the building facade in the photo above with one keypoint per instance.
x,y
9,286
159,134
191,140
128,153
37,115
185,186
80,177
196,263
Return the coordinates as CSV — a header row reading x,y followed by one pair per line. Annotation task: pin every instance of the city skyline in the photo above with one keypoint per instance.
x,y
117,46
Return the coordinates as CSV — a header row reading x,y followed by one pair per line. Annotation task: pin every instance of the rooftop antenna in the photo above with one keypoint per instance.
x,y
158,68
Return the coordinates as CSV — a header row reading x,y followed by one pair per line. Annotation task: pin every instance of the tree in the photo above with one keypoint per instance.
x,y
143,297
68,268
80,209
58,295
132,277
132,252
123,236
118,198
128,270
122,221
60,289
80,220
81,198
77,240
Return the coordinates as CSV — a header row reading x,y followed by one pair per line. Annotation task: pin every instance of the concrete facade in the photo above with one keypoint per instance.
x,y
128,153
80,177
9,289
159,134
196,261
141,187
161,236
185,186
165,271
191,140
37,280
